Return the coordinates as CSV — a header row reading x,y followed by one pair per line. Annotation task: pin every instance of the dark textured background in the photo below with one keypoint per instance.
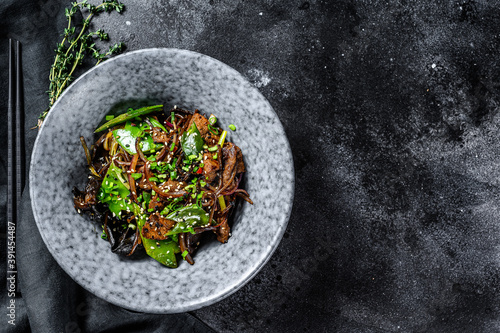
x,y
391,110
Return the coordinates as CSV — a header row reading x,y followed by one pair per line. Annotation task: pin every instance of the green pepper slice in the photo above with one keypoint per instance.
x,y
114,192
156,123
187,218
127,136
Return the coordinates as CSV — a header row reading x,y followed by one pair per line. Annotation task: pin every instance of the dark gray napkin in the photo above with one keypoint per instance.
x,y
55,303
50,300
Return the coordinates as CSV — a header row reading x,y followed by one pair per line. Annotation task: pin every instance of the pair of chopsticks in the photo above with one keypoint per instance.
x,y
15,129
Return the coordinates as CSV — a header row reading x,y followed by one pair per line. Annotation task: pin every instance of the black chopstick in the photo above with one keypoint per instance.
x,y
19,126
15,158
11,182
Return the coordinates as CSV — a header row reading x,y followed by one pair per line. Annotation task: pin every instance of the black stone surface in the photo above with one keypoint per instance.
x,y
391,110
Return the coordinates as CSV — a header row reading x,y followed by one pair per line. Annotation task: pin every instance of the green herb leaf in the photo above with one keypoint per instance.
x,y
191,141
74,45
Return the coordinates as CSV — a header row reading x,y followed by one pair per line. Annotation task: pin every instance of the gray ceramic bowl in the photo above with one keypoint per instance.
x,y
174,77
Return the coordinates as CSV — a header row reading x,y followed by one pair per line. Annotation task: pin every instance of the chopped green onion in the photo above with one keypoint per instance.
x,y
212,120
136,175
172,147
153,179
222,202
232,127
213,130
214,148
146,196
222,138
215,156
109,117
184,254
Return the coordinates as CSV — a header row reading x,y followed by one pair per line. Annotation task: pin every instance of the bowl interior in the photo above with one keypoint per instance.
x,y
171,77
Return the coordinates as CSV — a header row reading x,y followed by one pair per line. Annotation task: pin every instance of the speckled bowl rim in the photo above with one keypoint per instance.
x,y
64,265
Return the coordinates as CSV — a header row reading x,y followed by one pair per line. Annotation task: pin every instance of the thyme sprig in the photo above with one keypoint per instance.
x,y
76,44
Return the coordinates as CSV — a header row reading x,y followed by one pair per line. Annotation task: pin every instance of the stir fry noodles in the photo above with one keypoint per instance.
x,y
161,180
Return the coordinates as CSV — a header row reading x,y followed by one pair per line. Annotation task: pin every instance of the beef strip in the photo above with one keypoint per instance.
x,y
156,205
159,136
210,167
240,165
223,232
201,123
88,198
157,227
229,158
